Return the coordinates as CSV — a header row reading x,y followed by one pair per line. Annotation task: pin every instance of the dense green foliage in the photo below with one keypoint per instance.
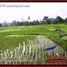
x,y
11,36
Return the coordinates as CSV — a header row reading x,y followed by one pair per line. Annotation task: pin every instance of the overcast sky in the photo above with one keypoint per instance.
x,y
34,10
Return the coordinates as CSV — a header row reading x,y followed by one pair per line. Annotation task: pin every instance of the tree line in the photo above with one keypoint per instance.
x,y
45,20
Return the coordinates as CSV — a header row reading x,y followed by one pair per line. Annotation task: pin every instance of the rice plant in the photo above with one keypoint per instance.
x,y
25,54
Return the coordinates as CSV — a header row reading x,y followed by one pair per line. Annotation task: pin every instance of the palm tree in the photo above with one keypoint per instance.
x,y
28,18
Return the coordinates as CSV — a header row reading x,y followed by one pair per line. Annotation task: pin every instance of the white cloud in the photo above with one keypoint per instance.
x,y
36,11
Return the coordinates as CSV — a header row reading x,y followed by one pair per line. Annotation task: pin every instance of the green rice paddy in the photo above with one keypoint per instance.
x,y
10,37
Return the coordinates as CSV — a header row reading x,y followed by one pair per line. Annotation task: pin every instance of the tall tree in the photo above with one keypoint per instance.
x,y
65,21
59,19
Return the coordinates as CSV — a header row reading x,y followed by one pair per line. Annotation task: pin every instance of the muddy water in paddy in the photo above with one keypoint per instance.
x,y
43,42
47,43
31,53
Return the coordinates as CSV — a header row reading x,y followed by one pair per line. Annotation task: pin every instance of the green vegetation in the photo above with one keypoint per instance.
x,y
11,36
26,37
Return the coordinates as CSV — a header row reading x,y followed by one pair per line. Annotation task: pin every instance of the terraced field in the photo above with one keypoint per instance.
x,y
41,36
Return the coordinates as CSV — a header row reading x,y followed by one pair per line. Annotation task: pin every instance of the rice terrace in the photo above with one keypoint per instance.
x,y
33,33
26,44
